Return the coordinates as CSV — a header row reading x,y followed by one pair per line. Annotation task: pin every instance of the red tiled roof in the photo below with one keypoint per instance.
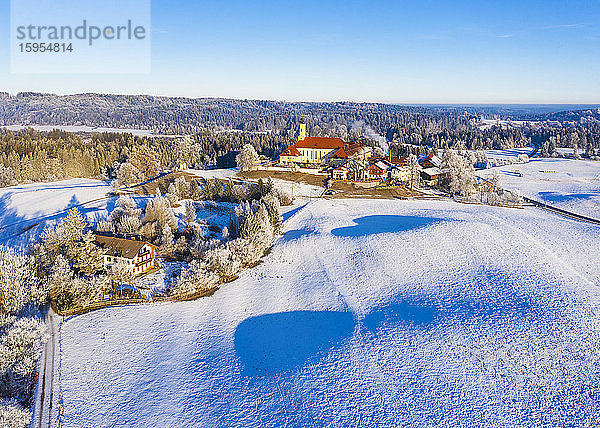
x,y
320,143
291,151
349,149
401,161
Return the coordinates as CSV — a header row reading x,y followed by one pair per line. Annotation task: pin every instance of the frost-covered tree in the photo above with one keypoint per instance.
x,y
60,283
247,159
271,203
87,256
190,214
72,229
495,181
196,278
68,290
127,175
285,198
120,273
461,173
19,284
20,348
166,240
124,207
145,160
71,240
181,188
128,225
7,176
104,226
124,218
414,171
158,210
13,415
222,261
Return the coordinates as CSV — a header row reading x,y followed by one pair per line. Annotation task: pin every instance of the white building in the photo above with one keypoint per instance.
x,y
139,256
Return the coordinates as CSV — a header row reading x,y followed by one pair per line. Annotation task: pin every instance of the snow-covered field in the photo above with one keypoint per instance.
x,y
565,183
365,313
84,128
23,205
507,154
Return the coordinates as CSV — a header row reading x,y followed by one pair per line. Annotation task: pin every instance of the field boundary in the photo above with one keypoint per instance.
x,y
124,302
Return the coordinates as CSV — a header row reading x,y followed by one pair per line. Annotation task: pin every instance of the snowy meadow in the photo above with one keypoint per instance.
x,y
365,313
566,183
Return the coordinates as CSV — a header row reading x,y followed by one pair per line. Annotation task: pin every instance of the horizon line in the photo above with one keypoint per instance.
x,y
314,101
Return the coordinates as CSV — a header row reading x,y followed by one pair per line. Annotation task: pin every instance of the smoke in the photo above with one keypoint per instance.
x,y
361,128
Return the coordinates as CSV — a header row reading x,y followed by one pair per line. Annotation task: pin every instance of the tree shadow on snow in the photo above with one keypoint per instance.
x,y
374,224
272,343
567,197
419,314
297,234
290,213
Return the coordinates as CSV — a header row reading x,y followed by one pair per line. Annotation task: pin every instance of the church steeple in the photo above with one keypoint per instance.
x,y
302,134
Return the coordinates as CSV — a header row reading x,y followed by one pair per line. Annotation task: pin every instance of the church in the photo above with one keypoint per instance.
x,y
313,151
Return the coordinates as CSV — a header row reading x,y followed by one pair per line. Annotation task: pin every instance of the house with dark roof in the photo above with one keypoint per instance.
x,y
138,256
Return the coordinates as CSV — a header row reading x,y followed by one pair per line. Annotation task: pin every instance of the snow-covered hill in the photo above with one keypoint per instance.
x,y
23,206
365,313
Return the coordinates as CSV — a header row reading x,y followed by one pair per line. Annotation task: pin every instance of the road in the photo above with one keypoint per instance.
x,y
560,211
45,399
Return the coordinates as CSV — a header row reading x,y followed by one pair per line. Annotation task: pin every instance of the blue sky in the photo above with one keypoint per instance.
x,y
424,51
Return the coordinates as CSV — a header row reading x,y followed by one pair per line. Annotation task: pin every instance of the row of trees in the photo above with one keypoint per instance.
x,y
29,155
252,231
22,332
460,180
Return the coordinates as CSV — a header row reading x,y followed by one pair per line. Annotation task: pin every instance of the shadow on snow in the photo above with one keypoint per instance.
x,y
374,224
269,344
568,197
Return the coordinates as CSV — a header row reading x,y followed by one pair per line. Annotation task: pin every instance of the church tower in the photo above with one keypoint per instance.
x,y
302,134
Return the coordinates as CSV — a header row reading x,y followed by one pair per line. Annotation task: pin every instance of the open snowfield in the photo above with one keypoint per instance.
x,y
365,313
507,154
82,128
24,205
565,183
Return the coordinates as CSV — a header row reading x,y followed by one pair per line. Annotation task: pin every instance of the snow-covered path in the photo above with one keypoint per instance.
x,y
366,313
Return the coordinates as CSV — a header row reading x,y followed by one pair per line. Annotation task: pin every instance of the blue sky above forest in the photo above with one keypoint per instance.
x,y
460,51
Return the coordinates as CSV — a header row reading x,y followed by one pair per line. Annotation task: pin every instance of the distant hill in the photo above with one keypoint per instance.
x,y
177,115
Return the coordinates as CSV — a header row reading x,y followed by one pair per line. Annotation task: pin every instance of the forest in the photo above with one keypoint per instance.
x,y
208,133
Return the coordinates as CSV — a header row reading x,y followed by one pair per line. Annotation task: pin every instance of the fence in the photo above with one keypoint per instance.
x,y
80,310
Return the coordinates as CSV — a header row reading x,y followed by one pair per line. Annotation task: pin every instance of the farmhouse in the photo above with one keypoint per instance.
x,y
340,173
138,256
430,161
433,175
377,170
